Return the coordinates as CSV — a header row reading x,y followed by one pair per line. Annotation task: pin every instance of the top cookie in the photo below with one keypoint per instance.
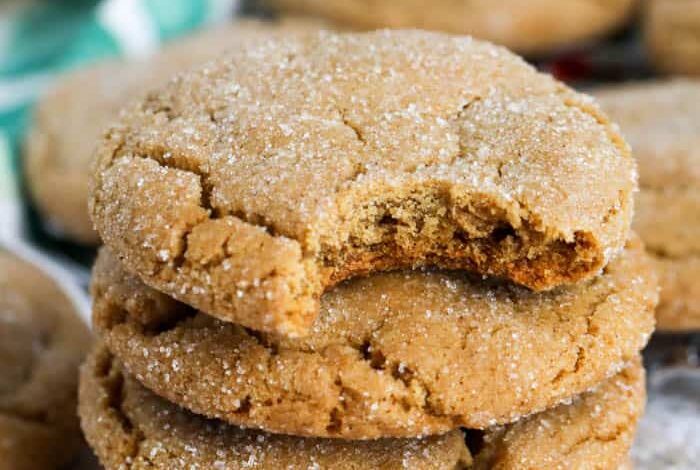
x,y
42,341
247,187
69,120
526,26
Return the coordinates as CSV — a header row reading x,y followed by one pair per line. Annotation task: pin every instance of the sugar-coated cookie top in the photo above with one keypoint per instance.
x,y
329,155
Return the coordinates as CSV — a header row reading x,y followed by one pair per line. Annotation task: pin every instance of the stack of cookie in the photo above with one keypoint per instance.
x,y
383,250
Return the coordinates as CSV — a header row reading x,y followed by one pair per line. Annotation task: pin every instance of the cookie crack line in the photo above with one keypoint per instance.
x,y
115,385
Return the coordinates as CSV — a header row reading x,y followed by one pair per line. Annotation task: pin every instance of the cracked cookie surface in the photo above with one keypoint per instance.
x,y
69,120
594,431
250,186
662,122
42,341
398,354
130,427
526,26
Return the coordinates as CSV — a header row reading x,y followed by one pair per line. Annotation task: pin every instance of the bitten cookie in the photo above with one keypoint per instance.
x,y
662,122
42,341
247,188
126,424
526,26
672,35
69,120
400,354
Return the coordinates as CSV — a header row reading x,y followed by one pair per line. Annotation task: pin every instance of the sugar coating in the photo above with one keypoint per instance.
x,y
662,122
400,354
527,26
595,431
42,341
248,187
130,427
69,120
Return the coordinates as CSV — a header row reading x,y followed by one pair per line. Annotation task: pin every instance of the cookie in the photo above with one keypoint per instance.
x,y
530,27
71,117
672,35
595,430
662,122
42,341
130,426
249,187
400,354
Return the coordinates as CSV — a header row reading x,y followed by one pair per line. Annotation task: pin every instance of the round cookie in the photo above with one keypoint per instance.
x,y
42,341
400,354
672,35
662,122
69,120
594,430
125,423
526,26
249,187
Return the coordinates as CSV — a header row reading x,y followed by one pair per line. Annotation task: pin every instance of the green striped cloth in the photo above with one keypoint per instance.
x,y
39,39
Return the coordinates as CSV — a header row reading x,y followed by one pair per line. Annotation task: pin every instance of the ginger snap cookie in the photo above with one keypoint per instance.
x,y
662,122
672,35
595,430
527,26
128,425
399,354
249,187
42,342
69,120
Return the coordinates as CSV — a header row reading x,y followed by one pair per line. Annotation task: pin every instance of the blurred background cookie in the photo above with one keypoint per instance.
x,y
672,35
661,120
42,341
526,26
70,118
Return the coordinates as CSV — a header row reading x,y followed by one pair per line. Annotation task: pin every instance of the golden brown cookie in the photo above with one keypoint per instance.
x,y
71,117
594,431
247,188
42,341
527,26
400,354
662,122
128,425
672,35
